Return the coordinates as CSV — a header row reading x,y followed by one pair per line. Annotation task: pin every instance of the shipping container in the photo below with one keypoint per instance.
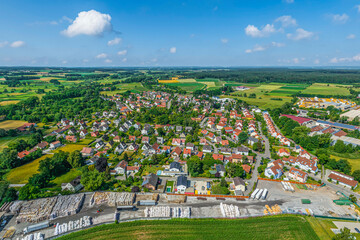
x,y
264,194
258,195
146,203
254,193
36,227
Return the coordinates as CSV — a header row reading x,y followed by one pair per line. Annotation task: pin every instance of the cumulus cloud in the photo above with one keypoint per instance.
x,y
341,19
64,62
114,41
300,34
92,23
123,52
351,36
255,32
286,21
260,48
289,1
108,61
102,55
358,8
172,50
224,40
355,58
316,61
124,60
17,44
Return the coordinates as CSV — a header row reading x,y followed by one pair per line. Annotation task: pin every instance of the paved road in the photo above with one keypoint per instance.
x,y
255,173
202,123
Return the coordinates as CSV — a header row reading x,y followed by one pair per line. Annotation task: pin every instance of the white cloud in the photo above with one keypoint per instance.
x,y
259,48
351,36
341,19
172,50
3,44
224,40
316,61
286,21
91,23
64,62
255,32
123,52
358,8
113,42
102,55
355,58
295,60
124,60
17,44
300,35
85,60
108,61
289,1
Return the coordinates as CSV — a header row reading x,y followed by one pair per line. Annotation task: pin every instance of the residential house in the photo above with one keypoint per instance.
x,y
87,152
99,144
101,164
55,144
120,168
239,184
207,149
343,179
220,169
72,186
133,147
150,181
181,184
274,169
298,175
71,139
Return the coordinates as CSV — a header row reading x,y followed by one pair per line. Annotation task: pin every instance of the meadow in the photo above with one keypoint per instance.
x,y
188,86
11,124
271,227
327,89
264,99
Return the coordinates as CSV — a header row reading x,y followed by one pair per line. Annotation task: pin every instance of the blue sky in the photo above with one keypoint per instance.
x,y
179,33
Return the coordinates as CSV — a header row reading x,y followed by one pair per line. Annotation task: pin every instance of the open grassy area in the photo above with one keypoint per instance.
x,y
21,175
70,148
11,124
188,86
5,141
288,90
272,227
355,162
67,177
123,87
327,89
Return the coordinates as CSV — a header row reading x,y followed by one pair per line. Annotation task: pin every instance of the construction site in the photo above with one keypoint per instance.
x,y
63,214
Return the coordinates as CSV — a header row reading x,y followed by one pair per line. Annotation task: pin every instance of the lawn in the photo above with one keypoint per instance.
x,y
67,177
327,89
272,227
70,148
151,169
188,86
5,141
11,124
264,99
21,175
4,103
355,162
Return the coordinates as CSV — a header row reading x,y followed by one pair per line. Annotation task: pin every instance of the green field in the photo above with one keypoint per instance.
x,y
11,124
327,89
272,227
188,86
67,177
355,162
288,90
5,141
21,175
263,97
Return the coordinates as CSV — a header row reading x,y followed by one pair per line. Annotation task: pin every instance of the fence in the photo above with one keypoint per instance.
x,y
212,196
275,180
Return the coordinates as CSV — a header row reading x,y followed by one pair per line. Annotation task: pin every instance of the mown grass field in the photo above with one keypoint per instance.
x,y
67,177
288,90
21,175
263,97
326,89
355,162
272,227
5,141
188,86
11,124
